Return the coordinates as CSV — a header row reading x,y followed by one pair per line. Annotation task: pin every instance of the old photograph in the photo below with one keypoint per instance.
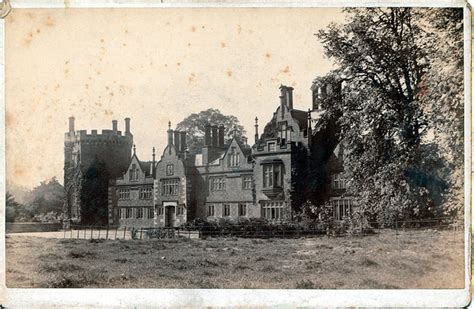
x,y
236,148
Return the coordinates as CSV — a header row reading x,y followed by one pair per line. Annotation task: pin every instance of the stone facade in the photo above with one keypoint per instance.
x,y
91,160
131,196
171,183
292,161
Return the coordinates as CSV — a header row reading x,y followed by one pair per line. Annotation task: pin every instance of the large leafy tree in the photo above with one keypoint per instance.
x,y
195,125
442,96
393,164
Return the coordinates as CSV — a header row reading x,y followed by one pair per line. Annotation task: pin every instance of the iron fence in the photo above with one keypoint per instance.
x,y
295,230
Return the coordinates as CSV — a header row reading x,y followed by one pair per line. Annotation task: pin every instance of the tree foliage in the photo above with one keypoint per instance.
x,y
443,96
395,168
46,198
11,207
195,125
94,194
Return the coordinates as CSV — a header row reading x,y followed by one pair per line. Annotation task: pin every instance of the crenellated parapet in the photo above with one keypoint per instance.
x,y
106,136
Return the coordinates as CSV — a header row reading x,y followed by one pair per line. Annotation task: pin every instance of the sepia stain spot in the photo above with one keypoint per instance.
x,y
38,30
203,27
189,44
223,45
66,71
239,29
286,70
49,22
178,64
191,78
9,119
268,55
229,72
19,171
193,29
124,44
101,40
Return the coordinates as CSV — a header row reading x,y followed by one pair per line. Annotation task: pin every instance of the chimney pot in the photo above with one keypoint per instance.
x,y
114,125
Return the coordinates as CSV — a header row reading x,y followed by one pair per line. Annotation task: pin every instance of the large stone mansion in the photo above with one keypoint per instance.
x,y
294,159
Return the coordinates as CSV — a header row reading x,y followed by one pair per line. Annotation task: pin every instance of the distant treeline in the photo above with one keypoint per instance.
x,y
43,203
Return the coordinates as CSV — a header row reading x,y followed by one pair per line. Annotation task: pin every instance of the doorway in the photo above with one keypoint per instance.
x,y
170,214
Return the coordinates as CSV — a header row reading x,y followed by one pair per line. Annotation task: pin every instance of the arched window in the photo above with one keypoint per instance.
x,y
234,157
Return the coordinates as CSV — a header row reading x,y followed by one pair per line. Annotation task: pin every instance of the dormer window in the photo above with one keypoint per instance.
x,y
271,146
133,173
234,157
283,133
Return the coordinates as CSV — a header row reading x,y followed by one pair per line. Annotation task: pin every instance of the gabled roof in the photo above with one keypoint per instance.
x,y
301,118
144,166
245,150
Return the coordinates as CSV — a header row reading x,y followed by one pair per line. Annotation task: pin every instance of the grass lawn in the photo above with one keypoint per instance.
x,y
415,259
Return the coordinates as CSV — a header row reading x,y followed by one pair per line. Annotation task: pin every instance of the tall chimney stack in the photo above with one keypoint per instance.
x,y
182,139
282,106
127,125
114,126
170,134
221,136
207,135
289,97
153,164
71,124
176,140
256,130
214,136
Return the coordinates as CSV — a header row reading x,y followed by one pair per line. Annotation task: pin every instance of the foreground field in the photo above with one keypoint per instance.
x,y
421,259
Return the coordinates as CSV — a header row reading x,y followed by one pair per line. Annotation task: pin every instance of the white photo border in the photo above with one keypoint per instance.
x,y
240,297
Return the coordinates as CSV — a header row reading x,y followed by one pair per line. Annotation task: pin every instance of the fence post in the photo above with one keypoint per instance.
x,y
77,233
85,230
71,234
116,229
64,232
98,237
124,231
92,231
107,233
141,232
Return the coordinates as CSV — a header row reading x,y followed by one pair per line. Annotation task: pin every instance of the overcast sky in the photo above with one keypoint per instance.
x,y
154,66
